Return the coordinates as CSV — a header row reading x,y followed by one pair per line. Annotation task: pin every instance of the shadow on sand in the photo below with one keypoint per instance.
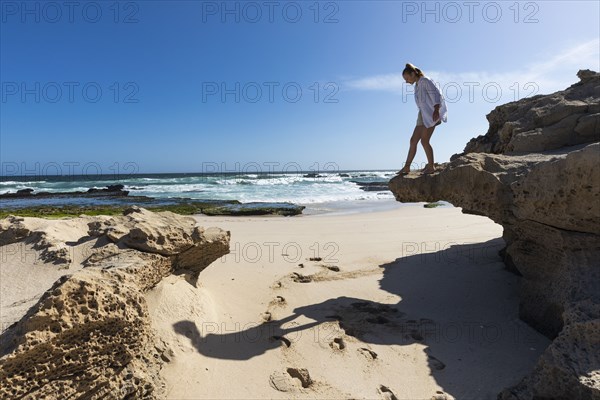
x,y
459,302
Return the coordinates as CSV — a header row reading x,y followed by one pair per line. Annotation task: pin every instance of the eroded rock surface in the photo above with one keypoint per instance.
x,y
537,173
544,122
89,336
40,234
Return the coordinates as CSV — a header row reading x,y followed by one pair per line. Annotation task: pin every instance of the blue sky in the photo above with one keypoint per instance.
x,y
175,86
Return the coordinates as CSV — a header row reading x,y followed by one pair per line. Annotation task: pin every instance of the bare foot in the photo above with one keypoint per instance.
x,y
428,170
403,171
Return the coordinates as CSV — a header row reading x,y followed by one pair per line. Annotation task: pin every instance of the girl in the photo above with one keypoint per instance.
x,y
432,112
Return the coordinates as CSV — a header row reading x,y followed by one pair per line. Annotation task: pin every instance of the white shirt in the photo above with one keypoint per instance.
x,y
426,96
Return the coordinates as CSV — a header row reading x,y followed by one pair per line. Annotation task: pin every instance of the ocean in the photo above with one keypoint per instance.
x,y
302,188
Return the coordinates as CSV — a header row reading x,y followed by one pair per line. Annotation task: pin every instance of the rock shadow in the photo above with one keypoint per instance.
x,y
458,301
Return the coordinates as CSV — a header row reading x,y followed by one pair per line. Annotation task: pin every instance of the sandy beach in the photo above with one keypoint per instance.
x,y
300,200
408,303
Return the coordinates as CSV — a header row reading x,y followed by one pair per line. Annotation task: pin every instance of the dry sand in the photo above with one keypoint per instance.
x,y
407,303
24,276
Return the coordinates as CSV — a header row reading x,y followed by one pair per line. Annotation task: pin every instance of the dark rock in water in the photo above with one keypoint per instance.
x,y
210,202
113,197
115,190
373,186
110,190
312,175
25,191
537,173
344,175
254,208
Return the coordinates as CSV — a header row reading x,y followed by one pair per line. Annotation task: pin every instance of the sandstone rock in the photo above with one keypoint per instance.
x,y
163,233
513,124
588,126
191,247
12,230
212,243
89,336
37,232
569,368
537,173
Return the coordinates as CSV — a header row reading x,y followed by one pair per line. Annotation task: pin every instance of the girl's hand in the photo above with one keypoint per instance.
x,y
436,114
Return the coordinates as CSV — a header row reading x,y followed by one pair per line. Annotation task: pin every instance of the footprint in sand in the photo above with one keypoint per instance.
x,y
266,316
369,354
337,344
333,268
299,278
386,393
439,396
278,301
293,379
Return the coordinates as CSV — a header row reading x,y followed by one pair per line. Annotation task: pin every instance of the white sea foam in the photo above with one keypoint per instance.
x,y
8,183
298,188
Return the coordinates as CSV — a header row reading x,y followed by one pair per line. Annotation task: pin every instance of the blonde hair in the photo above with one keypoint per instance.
x,y
412,69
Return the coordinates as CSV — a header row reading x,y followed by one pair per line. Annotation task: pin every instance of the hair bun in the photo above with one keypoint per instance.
x,y
412,69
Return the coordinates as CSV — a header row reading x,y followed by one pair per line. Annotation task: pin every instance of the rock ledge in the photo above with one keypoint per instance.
x,y
537,173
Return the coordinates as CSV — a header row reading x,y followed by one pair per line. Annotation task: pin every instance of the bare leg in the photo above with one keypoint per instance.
x,y
425,137
412,150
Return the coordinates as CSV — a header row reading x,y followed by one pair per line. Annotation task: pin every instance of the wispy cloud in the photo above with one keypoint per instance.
x,y
547,76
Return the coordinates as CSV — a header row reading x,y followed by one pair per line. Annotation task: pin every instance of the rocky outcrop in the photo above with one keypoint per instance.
x,y
372,186
51,245
12,230
255,208
180,205
569,368
108,191
544,122
188,246
89,336
537,173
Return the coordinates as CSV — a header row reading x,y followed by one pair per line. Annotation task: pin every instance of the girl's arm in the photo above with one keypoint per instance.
x,y
436,97
434,93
